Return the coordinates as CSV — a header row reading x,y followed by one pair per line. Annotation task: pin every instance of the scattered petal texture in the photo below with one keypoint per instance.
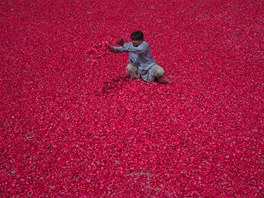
x,y
72,124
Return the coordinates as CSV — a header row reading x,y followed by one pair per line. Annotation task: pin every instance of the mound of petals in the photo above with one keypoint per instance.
x,y
73,125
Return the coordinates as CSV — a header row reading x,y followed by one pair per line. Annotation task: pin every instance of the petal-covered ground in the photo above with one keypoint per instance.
x,y
72,124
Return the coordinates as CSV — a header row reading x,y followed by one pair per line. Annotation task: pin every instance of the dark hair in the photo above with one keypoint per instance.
x,y
137,36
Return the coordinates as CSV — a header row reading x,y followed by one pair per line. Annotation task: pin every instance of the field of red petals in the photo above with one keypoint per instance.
x,y
73,125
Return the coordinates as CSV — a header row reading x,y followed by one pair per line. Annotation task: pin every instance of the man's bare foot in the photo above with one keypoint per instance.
x,y
162,80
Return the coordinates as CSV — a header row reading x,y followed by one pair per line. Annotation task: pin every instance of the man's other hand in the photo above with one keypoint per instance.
x,y
121,42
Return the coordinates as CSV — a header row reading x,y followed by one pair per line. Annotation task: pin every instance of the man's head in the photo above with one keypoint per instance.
x,y
137,38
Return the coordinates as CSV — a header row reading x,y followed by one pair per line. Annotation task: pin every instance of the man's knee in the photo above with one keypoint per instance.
x,y
158,71
161,71
132,71
130,68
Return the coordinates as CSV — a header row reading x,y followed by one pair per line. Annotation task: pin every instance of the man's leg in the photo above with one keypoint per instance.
x,y
132,71
158,74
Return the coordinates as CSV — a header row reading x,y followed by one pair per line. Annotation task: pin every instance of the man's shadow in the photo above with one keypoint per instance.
x,y
114,84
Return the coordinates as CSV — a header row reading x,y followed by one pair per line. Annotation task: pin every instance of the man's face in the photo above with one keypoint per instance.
x,y
136,43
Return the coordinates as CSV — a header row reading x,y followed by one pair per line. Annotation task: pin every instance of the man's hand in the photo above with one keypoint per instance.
x,y
112,49
121,42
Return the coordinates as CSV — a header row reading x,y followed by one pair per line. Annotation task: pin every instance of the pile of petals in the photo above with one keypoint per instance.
x,y
73,125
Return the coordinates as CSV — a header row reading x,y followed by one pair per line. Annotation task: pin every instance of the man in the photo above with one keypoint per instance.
x,y
141,64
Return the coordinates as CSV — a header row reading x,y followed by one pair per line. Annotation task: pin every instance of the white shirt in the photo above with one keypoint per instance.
x,y
139,56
